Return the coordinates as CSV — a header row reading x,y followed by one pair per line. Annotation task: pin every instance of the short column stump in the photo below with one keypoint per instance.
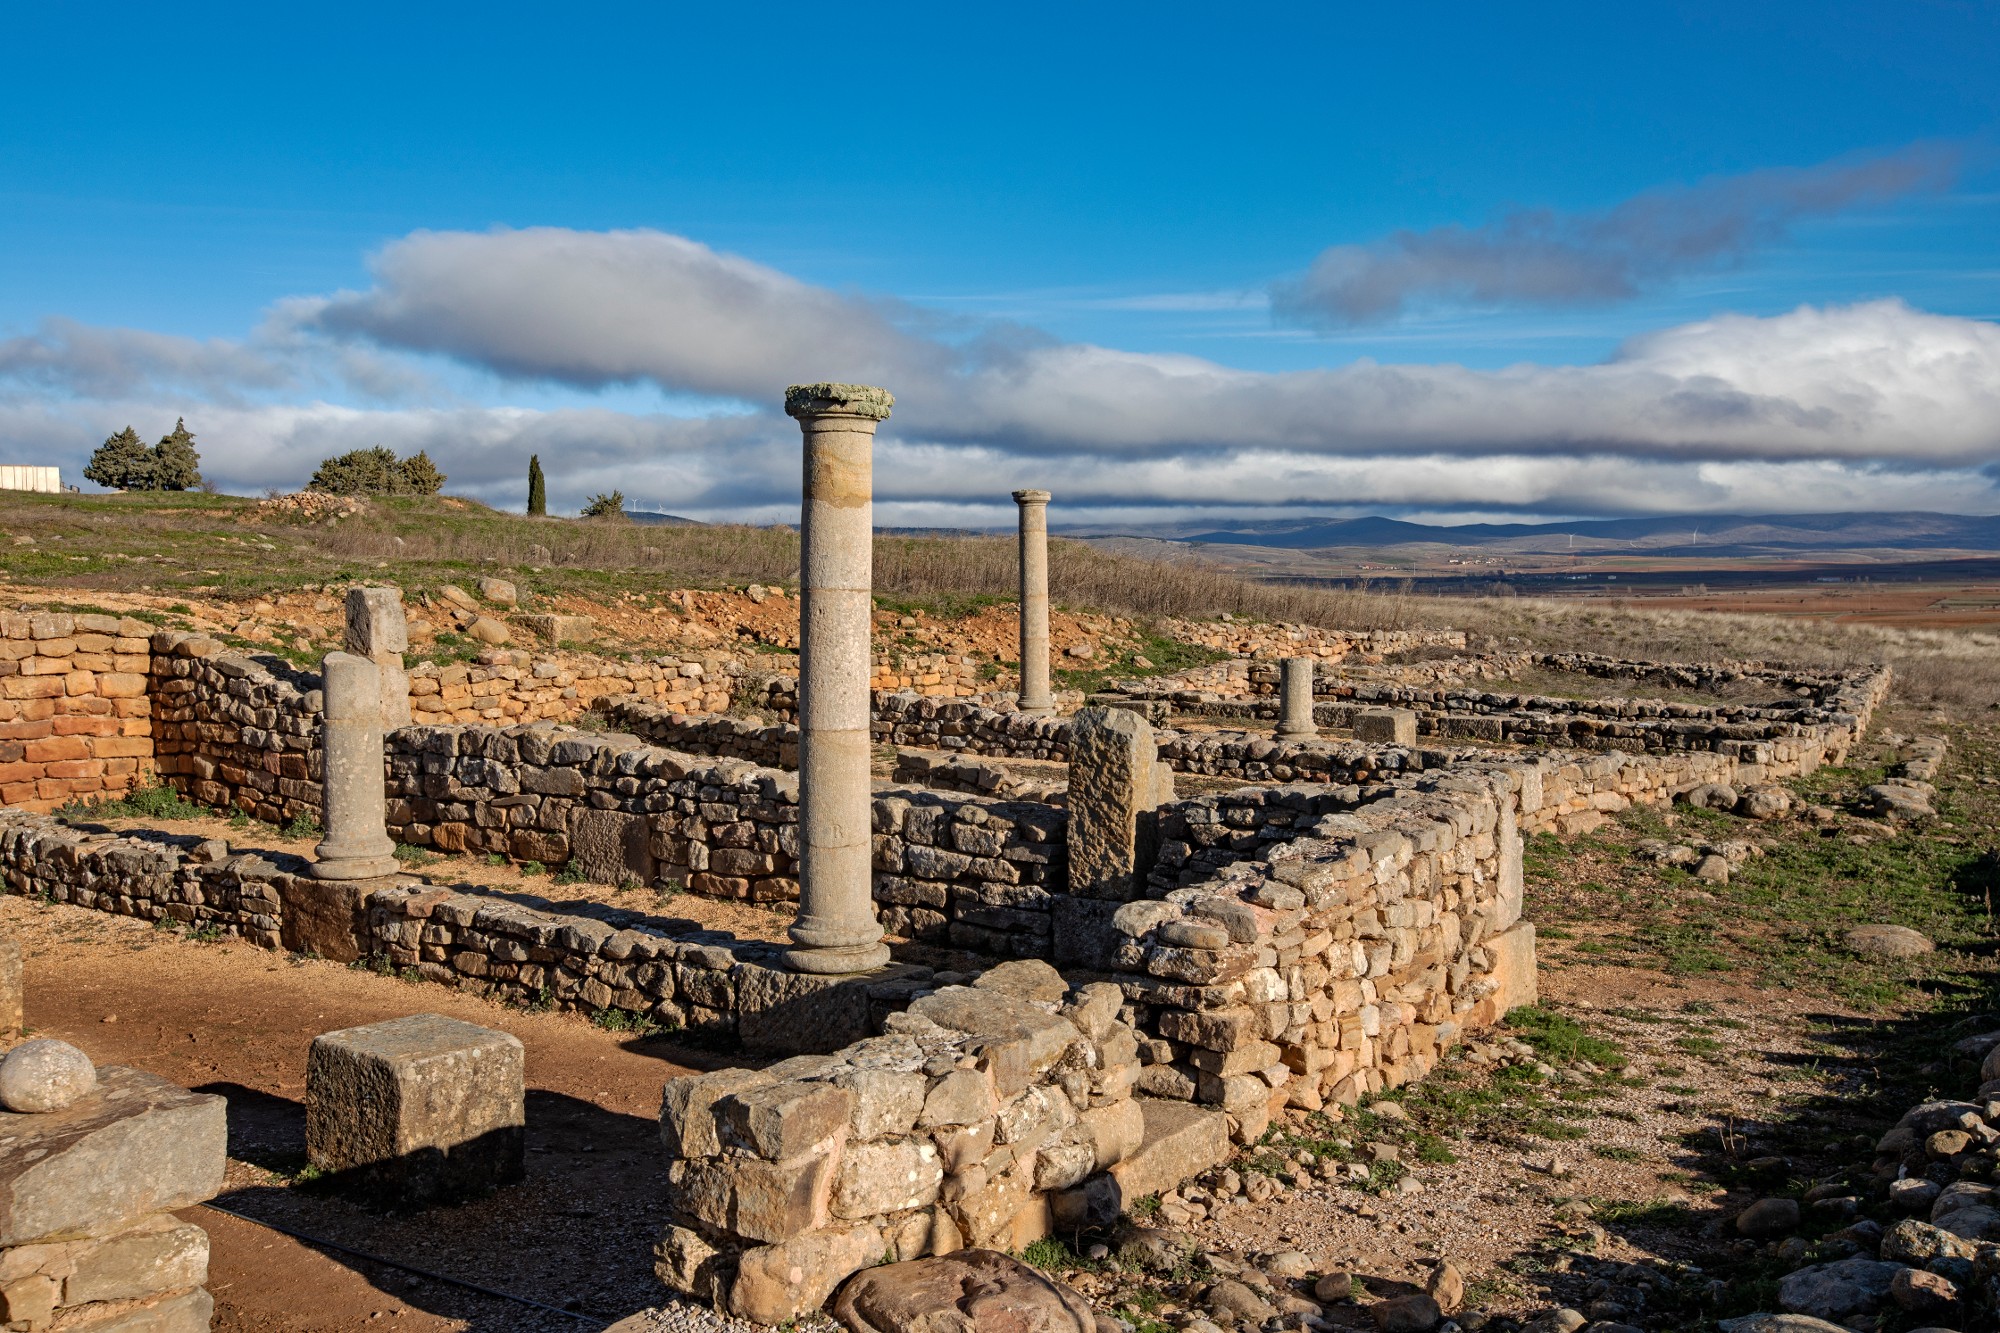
x,y
1391,726
418,1109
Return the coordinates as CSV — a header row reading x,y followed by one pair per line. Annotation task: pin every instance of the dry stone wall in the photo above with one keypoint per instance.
x,y
985,1116
75,719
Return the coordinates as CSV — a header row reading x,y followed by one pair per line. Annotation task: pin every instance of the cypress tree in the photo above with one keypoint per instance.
x,y
176,465
122,462
538,493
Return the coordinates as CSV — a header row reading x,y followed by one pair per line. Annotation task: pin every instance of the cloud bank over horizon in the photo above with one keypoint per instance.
x,y
1872,405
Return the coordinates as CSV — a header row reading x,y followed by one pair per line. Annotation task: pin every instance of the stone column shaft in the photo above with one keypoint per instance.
x,y
1295,699
353,799
1036,696
836,930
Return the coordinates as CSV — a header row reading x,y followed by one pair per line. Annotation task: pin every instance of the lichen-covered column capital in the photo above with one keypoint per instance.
x,y
835,931
353,798
1036,696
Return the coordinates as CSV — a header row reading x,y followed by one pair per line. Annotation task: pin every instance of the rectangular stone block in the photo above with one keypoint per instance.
x,y
1181,1141
1116,786
417,1108
159,1255
12,1009
376,622
1386,726
1514,967
136,1145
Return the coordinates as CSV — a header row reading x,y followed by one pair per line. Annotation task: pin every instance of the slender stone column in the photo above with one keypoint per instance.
x,y
1035,695
1295,700
836,931
353,800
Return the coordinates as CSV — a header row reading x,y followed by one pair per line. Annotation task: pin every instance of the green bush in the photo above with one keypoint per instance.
x,y
377,471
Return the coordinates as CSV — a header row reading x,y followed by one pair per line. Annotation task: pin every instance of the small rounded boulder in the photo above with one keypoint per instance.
x,y
44,1075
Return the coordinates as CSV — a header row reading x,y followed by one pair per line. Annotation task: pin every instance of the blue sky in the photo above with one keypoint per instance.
x,y
1096,190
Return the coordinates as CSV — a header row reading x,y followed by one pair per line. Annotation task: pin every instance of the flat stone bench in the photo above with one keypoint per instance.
x,y
417,1109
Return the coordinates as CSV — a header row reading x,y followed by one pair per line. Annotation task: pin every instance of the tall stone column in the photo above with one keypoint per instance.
x,y
1295,700
378,630
836,931
353,798
1035,694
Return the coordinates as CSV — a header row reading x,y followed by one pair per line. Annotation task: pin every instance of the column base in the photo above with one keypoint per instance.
x,y
1281,735
837,962
357,867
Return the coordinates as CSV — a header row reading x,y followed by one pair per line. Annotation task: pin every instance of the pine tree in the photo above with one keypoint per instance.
x,y
176,465
538,491
418,475
610,506
122,462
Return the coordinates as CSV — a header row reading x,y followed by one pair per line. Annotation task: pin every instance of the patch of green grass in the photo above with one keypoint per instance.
x,y
415,857
1166,655
571,873
301,825
1560,1039
1051,1255
1613,1152
624,1020
157,802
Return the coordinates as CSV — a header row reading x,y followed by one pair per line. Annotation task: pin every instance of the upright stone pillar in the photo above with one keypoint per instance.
x,y
1116,784
353,799
1295,700
836,931
1035,694
378,630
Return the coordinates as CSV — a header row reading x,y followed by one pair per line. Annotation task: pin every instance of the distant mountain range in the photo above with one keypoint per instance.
x,y
1672,535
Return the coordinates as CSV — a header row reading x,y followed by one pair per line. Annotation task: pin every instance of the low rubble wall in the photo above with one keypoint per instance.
x,y
75,720
985,1115
510,686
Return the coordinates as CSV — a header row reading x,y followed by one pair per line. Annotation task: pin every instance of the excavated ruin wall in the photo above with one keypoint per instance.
x,y
75,720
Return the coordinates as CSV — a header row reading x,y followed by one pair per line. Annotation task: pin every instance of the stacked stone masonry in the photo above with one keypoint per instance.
x,y
88,1239
985,1115
75,717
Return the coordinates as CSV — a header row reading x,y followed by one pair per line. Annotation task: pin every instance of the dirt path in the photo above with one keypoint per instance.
x,y
233,1019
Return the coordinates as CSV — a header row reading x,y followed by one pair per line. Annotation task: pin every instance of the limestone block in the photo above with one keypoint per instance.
x,y
13,1014
1019,1038
611,847
375,622
803,1013
777,1283
783,1121
687,1109
887,1178
184,1312
756,1199
417,1108
561,629
1386,726
1115,790
161,1254
1514,966
886,1101
1181,1141
137,1145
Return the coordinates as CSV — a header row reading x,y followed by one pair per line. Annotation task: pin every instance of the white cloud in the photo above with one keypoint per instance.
x,y
1872,406
1545,258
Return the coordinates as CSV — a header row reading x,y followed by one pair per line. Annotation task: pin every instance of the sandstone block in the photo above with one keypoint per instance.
x,y
376,622
136,1145
1514,966
971,1289
417,1108
184,1312
1386,726
611,847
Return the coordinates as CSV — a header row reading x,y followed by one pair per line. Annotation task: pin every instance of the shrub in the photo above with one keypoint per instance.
x,y
377,471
